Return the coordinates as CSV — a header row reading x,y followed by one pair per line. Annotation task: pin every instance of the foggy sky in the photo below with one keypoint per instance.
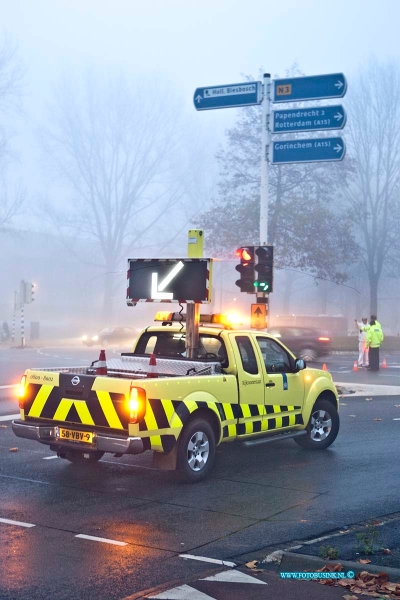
x,y
189,43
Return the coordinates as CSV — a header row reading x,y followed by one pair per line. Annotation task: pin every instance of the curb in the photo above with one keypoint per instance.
x,y
303,562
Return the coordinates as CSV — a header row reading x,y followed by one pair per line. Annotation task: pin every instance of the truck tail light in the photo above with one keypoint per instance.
x,y
136,404
324,339
21,391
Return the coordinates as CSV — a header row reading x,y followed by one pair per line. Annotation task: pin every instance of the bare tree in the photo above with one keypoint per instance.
x,y
11,75
113,143
374,195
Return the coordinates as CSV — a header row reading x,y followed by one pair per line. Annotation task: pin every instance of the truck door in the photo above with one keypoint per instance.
x,y
251,385
283,387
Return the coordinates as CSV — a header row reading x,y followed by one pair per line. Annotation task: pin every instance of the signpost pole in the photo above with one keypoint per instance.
x,y
195,250
265,145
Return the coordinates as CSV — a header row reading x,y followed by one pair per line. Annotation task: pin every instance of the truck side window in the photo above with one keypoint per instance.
x,y
247,354
275,358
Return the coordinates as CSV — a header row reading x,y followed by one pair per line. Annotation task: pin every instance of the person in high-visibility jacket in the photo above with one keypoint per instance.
x,y
373,341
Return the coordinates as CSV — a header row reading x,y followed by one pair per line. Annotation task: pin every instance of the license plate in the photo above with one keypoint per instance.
x,y
71,435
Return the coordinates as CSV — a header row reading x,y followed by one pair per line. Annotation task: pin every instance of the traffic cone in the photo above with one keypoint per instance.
x,y
101,368
324,367
355,367
384,365
152,372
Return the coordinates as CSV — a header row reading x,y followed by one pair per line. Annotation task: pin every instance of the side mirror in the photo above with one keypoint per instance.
x,y
300,364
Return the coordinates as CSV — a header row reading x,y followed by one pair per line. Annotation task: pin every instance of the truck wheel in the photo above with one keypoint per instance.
x,y
79,458
322,427
196,450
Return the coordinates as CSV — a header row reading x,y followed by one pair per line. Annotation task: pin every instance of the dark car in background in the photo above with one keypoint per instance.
x,y
111,335
305,342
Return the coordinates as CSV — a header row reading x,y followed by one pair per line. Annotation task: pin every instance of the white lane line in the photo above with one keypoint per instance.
x,y
182,592
49,457
9,417
233,577
19,523
8,387
215,561
99,539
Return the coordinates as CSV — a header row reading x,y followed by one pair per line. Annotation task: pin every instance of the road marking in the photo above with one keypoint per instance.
x,y
99,539
182,592
215,561
49,457
19,523
8,387
9,417
233,577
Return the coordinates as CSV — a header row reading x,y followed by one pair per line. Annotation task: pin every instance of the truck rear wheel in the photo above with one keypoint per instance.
x,y
322,428
78,458
196,450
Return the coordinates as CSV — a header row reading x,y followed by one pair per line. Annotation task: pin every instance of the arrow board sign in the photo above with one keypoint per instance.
x,y
310,88
312,150
169,280
228,96
314,118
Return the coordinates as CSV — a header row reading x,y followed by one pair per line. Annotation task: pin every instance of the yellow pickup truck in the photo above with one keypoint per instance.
x,y
244,386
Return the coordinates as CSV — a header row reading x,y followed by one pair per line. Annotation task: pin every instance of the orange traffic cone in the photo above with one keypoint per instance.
x,y
355,367
101,368
384,365
152,372
324,367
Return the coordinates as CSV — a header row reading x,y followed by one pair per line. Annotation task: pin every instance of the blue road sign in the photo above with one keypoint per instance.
x,y
314,118
295,89
228,96
312,150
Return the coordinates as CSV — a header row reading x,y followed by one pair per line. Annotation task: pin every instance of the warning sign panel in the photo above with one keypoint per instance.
x,y
258,319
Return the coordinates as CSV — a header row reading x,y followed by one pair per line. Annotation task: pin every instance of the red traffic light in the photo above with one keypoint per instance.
x,y
246,255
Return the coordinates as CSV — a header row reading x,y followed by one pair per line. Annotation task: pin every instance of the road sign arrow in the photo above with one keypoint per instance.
x,y
338,148
157,290
317,87
338,117
225,96
258,311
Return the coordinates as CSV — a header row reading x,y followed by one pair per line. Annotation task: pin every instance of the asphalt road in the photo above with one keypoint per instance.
x,y
145,519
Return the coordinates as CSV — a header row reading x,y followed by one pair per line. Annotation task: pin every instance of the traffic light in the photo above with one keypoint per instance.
x,y
264,269
27,291
246,269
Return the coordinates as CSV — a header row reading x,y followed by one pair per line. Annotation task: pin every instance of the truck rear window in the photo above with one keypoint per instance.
x,y
170,343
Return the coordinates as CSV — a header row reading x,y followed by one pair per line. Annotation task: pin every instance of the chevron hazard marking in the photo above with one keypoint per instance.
x,y
233,577
183,592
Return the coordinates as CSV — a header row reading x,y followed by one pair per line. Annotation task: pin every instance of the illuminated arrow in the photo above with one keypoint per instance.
x,y
338,148
339,85
338,117
157,291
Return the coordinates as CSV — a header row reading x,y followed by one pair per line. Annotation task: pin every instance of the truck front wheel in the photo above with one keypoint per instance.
x,y
322,427
196,450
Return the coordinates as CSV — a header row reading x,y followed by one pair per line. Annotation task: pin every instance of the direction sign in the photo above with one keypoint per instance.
x,y
228,96
258,316
315,118
317,87
168,280
310,150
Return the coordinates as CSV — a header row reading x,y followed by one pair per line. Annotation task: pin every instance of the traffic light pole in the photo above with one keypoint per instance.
x,y
265,147
195,250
